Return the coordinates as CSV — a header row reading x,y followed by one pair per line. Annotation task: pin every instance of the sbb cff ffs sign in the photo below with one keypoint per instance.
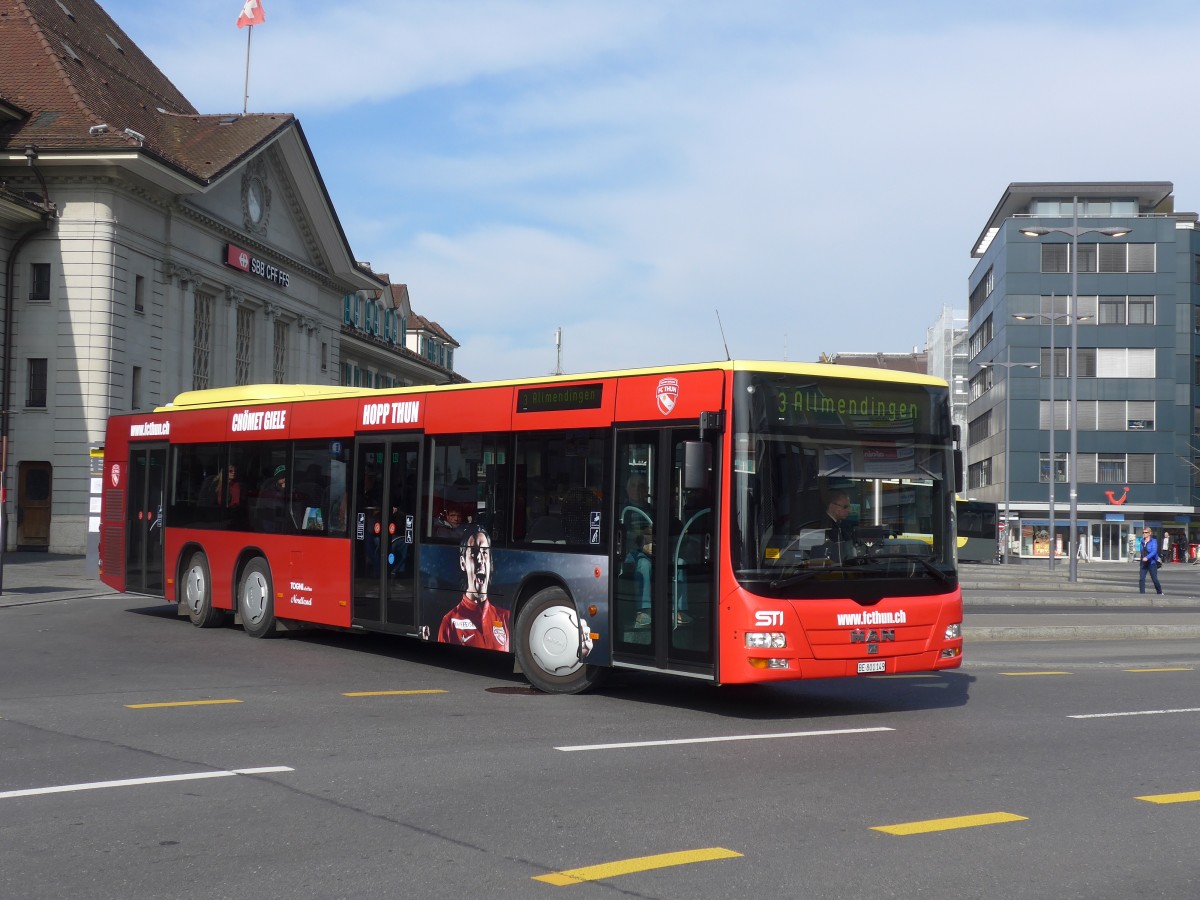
x,y
238,258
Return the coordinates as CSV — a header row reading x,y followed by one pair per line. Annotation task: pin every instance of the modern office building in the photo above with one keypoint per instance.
x,y
1110,270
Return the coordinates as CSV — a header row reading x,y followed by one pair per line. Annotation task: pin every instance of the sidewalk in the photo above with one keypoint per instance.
x,y
1015,602
1024,601
45,577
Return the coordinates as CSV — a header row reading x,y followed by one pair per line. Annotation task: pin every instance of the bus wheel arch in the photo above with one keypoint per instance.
x,y
196,589
256,598
547,643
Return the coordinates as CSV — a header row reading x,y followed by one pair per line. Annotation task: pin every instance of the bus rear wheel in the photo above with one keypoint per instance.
x,y
550,645
256,605
197,593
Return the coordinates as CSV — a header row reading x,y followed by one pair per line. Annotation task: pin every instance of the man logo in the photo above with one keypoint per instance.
x,y
667,395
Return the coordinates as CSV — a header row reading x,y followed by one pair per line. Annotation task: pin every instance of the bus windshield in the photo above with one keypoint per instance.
x,y
841,487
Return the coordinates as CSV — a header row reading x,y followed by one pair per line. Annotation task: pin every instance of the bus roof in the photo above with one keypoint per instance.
x,y
250,394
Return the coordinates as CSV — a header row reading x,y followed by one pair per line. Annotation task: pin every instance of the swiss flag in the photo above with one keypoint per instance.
x,y
252,14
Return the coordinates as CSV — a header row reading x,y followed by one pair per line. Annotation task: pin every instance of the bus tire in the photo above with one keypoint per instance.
x,y
197,593
256,605
548,644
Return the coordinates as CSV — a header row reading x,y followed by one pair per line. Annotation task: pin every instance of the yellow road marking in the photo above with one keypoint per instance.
x,y
1187,797
1177,669
1035,673
178,703
905,828
638,864
389,693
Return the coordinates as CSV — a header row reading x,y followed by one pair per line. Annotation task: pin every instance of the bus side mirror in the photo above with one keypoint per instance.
x,y
958,472
697,465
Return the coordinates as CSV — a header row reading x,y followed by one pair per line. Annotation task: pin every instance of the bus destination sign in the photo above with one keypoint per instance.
x,y
560,397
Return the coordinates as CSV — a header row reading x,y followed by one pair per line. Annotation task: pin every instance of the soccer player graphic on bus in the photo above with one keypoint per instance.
x,y
475,622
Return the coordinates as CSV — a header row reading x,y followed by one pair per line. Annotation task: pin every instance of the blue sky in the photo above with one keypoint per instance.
x,y
623,169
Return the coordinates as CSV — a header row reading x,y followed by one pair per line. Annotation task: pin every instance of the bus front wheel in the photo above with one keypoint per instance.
x,y
550,645
197,593
256,605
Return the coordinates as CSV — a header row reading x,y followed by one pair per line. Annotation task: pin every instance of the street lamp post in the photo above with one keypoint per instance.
x,y
1051,317
1007,365
1072,422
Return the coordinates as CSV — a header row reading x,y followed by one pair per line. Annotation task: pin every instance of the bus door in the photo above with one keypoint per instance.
x,y
147,483
383,529
664,546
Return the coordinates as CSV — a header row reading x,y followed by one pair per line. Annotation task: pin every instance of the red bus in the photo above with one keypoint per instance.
x,y
733,522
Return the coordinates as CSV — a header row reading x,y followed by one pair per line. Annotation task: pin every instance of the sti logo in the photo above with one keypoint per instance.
x,y
768,618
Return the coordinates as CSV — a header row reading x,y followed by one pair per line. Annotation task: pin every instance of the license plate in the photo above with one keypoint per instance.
x,y
875,665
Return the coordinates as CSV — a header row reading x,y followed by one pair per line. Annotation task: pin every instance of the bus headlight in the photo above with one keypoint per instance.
x,y
954,631
765,640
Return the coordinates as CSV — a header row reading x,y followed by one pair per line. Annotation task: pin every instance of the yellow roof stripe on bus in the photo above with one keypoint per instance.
x,y
284,393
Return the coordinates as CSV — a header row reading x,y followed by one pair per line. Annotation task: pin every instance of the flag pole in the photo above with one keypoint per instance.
x,y
246,95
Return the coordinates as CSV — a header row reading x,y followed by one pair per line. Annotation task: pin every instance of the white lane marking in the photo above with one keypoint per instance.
x,y
1141,712
129,782
716,740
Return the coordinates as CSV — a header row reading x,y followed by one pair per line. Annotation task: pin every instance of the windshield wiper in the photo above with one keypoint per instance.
x,y
929,567
795,578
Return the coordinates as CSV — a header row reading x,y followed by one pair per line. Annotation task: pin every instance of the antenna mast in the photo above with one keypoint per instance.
x,y
558,351
723,341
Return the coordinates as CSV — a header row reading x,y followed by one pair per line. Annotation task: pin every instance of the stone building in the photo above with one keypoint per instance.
x,y
149,249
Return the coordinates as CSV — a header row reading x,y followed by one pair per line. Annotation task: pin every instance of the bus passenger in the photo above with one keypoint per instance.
x,y
449,524
475,622
273,502
223,489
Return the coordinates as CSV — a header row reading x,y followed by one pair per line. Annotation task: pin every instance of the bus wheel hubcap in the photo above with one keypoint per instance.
x,y
554,641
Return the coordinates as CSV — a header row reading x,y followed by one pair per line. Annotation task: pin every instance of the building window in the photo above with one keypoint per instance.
x,y
1106,257
1141,310
980,337
979,474
1112,310
1125,468
1141,257
1060,415
135,389
979,428
1110,468
1119,362
35,395
39,282
981,383
981,291
1060,467
324,356
139,293
1060,362
281,352
1054,257
201,341
245,346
